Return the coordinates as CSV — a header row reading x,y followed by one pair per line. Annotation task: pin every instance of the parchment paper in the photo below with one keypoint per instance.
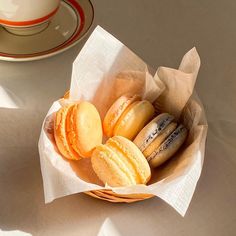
x,y
105,69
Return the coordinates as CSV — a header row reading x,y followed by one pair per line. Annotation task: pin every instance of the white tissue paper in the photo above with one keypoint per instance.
x,y
104,70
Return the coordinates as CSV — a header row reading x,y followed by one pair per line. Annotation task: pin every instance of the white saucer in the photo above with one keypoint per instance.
x,y
69,25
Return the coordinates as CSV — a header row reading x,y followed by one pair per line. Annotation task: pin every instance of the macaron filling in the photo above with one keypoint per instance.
x,y
108,169
168,142
134,118
118,160
61,136
125,152
132,173
161,124
115,112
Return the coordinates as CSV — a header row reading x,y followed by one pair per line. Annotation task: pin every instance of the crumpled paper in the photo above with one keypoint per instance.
x,y
104,70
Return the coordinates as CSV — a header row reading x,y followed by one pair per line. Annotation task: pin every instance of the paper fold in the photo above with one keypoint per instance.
x,y
104,70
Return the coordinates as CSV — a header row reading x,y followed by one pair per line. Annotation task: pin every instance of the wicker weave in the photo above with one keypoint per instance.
x,y
110,196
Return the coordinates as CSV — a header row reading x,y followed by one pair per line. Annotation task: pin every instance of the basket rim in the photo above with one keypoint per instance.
x,y
109,195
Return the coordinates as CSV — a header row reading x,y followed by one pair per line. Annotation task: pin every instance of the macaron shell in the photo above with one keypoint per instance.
x,y
120,163
108,169
115,111
133,175
134,155
159,139
168,148
133,119
84,128
154,128
60,134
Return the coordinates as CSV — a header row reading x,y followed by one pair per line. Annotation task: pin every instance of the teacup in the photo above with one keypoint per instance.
x,y
27,17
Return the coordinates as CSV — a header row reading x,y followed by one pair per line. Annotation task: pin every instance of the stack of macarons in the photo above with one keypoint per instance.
x,y
137,140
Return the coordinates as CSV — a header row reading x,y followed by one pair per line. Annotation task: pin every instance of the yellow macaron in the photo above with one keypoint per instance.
x,y
127,116
119,162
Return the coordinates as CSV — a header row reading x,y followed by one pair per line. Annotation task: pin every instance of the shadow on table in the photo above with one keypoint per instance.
x,y
21,199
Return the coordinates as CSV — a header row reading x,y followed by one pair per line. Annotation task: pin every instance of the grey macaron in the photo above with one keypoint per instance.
x,y
160,139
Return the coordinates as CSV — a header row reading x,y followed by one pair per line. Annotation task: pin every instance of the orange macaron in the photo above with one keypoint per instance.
x,y
127,116
78,130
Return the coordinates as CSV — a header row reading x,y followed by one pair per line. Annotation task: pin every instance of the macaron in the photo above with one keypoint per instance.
x,y
119,162
127,116
60,134
78,130
160,139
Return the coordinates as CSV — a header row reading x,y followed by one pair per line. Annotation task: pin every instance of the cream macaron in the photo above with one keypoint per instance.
x,y
119,162
127,116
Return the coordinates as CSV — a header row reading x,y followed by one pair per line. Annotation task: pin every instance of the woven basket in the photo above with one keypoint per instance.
x,y
110,196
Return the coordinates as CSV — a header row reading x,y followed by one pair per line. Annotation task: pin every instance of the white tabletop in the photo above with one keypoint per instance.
x,y
160,32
